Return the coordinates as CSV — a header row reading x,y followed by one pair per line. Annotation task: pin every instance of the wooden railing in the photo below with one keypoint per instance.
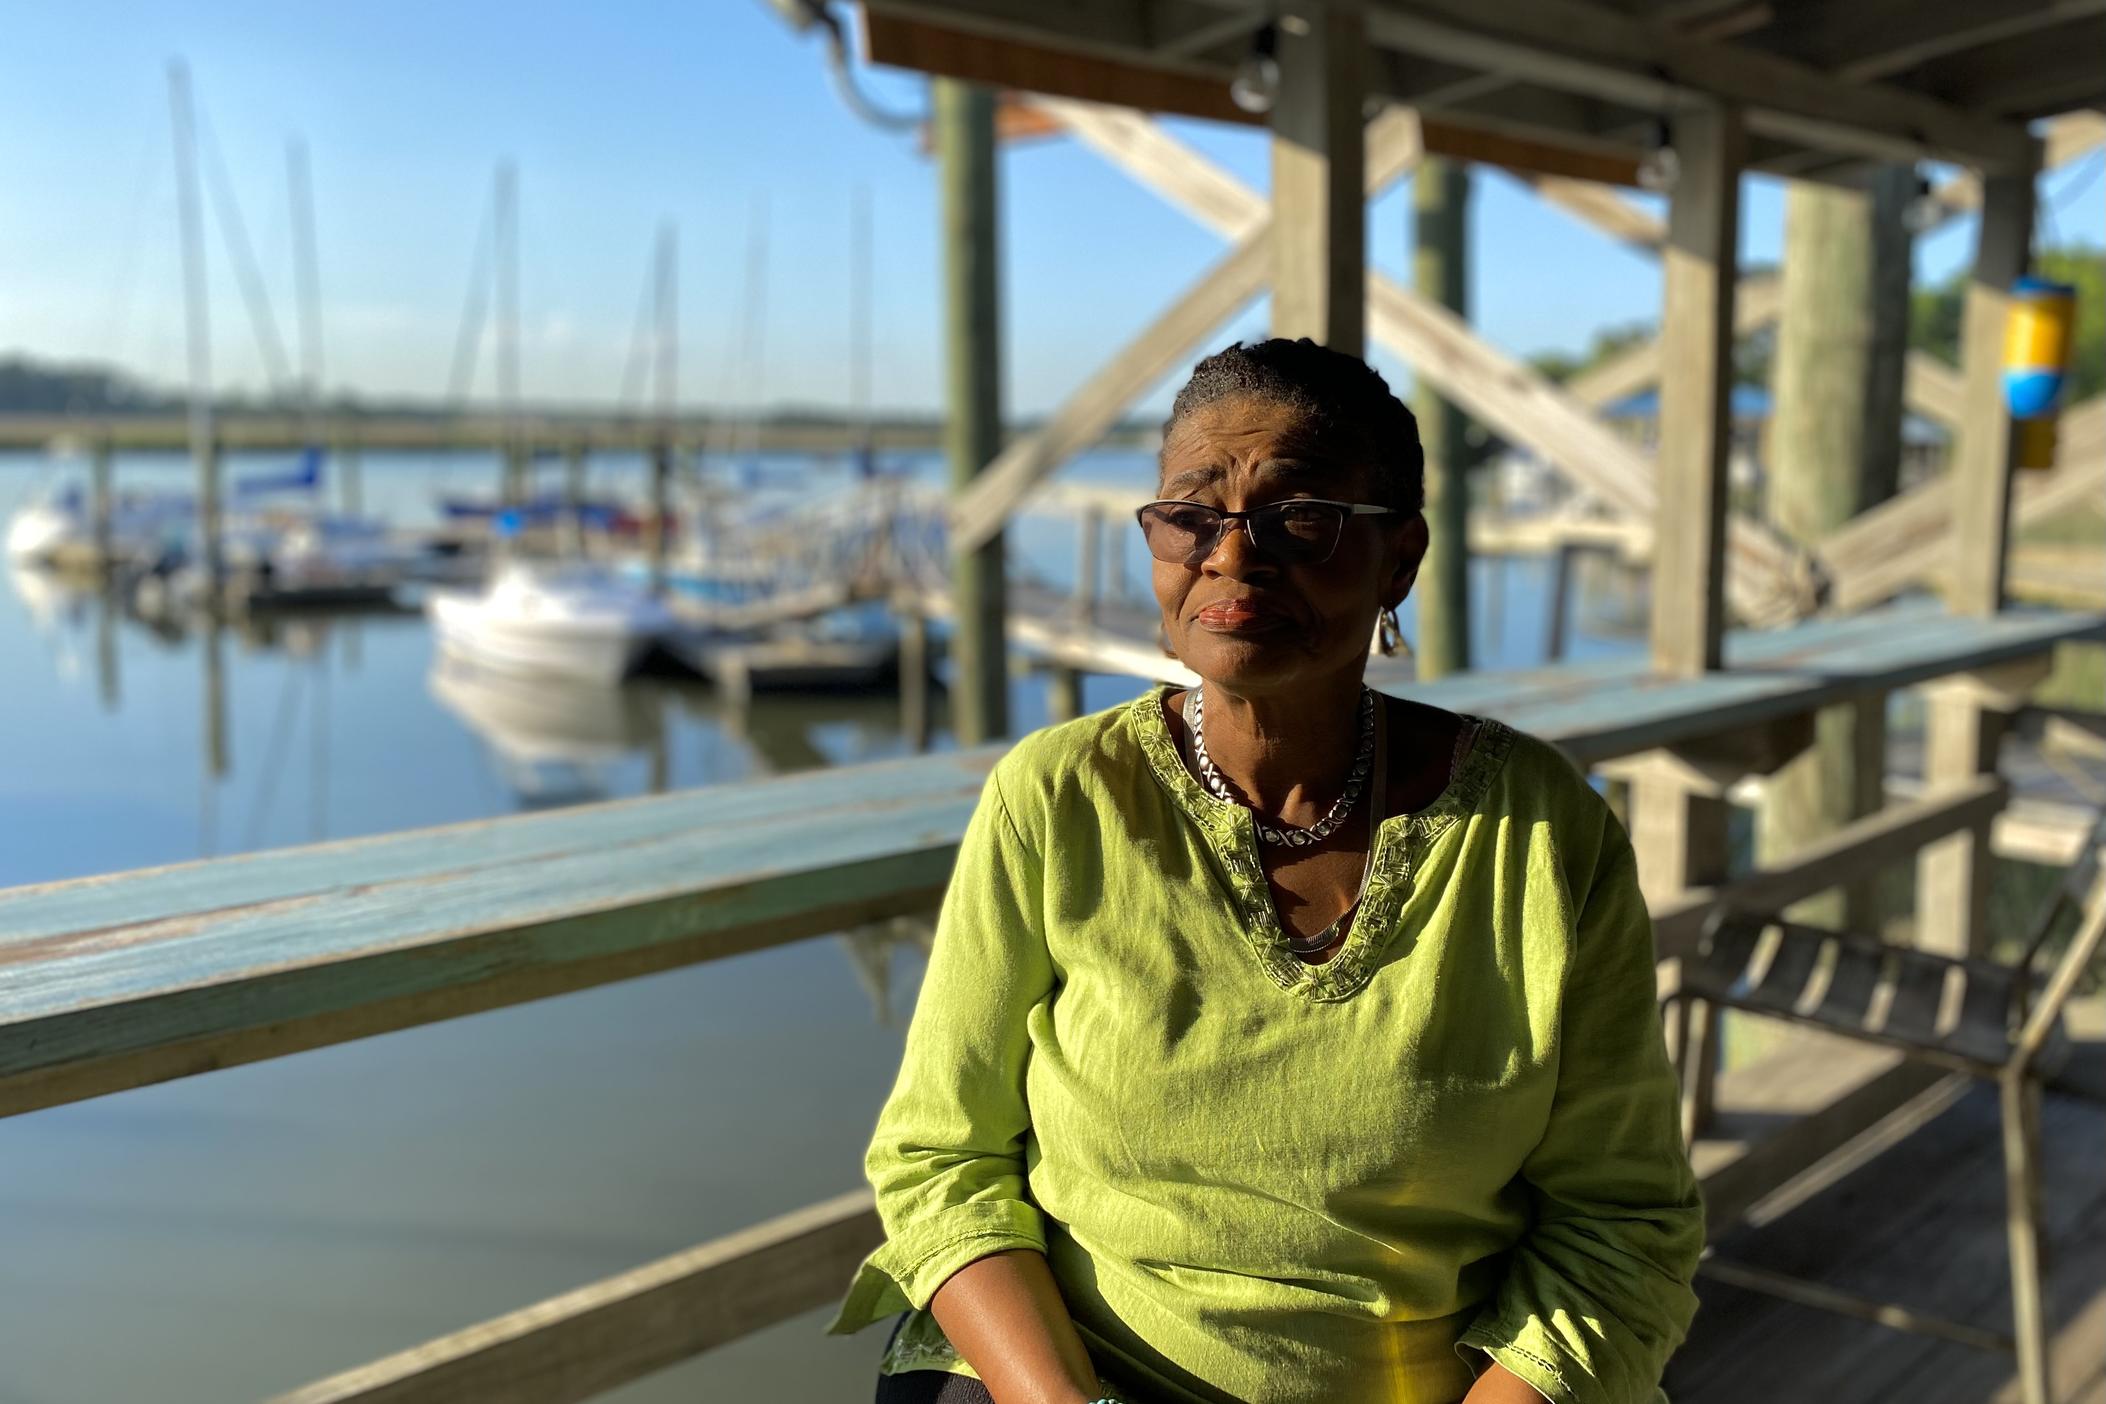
x,y
120,981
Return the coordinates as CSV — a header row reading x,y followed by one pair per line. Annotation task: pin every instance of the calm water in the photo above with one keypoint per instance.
x,y
229,1236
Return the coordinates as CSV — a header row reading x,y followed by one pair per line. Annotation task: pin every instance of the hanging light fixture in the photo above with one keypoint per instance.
x,y
1257,82
1923,213
1659,168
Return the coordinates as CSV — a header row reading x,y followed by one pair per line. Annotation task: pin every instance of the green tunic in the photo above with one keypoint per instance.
x,y
1259,1180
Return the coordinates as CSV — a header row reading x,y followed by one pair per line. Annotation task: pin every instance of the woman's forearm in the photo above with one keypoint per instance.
x,y
1497,1386
1004,1314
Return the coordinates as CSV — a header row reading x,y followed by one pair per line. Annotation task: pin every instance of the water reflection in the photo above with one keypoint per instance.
x,y
554,740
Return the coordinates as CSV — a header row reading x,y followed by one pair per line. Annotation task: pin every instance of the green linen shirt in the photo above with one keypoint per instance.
x,y
1264,1181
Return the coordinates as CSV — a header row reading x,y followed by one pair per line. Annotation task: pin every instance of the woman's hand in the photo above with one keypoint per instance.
x,y
1497,1386
1004,1314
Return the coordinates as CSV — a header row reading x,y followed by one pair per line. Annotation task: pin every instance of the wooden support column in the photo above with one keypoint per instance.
x,y
1696,343
1966,717
965,148
1319,281
351,490
913,677
1680,837
1835,451
1678,816
99,501
574,495
661,511
1982,454
1440,202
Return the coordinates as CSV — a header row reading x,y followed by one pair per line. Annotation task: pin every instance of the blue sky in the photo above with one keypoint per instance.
x,y
621,115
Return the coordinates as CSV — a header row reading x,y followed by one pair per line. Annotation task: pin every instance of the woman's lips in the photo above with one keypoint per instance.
x,y
1239,617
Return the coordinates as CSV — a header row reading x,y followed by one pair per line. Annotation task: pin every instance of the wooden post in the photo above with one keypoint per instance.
x,y
1560,603
1966,716
99,501
965,146
1319,281
1089,539
914,677
1696,342
106,657
1835,450
215,698
1982,455
1679,834
1064,693
1440,264
661,511
574,495
349,485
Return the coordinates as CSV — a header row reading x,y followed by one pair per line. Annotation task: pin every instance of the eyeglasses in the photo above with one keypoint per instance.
x,y
1298,531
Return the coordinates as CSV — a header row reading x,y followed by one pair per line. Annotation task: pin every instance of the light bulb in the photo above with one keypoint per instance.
x,y
1923,213
1660,169
1257,82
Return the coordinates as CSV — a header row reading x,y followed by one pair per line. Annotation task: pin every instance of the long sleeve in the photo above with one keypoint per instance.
x,y
1597,1294
947,1157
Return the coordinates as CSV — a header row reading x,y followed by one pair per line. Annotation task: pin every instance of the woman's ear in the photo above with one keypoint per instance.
x,y
1409,542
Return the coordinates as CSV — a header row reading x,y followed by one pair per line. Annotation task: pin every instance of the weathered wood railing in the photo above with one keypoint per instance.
x,y
120,981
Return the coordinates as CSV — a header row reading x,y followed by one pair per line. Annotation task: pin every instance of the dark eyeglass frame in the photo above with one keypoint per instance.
x,y
1272,512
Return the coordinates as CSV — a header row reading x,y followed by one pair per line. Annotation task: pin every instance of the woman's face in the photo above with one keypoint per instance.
x,y
1243,619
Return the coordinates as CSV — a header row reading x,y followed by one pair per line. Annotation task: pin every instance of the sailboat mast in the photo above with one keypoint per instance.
x,y
306,280
507,241
666,295
197,312
859,272
665,287
756,322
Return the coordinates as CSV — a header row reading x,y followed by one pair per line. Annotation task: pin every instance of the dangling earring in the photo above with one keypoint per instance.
x,y
1390,636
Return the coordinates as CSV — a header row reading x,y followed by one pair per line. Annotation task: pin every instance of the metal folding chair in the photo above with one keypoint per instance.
x,y
2000,1023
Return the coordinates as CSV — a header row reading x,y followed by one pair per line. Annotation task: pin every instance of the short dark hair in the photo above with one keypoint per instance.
x,y
1336,390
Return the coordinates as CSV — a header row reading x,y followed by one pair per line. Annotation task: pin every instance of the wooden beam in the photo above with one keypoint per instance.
x,y
1908,540
1696,342
897,41
978,513
1592,48
1195,89
1506,394
585,1342
1982,454
2044,71
1598,205
1319,209
1889,836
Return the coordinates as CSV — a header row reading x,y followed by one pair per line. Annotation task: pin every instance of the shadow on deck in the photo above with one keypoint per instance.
x,y
1920,1224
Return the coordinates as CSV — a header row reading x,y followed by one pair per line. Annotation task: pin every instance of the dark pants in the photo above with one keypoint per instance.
x,y
931,1387
928,1386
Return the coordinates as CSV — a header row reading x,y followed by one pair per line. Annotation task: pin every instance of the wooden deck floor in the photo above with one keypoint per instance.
x,y
1921,1224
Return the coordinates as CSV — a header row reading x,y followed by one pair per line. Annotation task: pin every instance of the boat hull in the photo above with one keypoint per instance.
x,y
589,649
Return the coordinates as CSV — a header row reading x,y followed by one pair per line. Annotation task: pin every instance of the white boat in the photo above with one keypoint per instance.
x,y
61,523
569,620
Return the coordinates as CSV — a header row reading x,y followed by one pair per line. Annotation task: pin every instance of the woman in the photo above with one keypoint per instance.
x,y
1284,1042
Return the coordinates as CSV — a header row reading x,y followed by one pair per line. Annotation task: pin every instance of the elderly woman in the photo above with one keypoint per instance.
x,y
1283,1041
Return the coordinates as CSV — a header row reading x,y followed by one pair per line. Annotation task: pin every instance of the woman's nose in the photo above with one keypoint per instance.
x,y
1236,556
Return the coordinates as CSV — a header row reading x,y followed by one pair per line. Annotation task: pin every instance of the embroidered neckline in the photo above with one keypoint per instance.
x,y
1401,844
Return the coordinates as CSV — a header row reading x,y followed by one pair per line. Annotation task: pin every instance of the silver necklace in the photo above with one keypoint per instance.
x,y
1289,835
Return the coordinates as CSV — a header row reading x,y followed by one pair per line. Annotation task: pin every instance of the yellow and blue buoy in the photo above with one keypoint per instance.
x,y
2036,363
